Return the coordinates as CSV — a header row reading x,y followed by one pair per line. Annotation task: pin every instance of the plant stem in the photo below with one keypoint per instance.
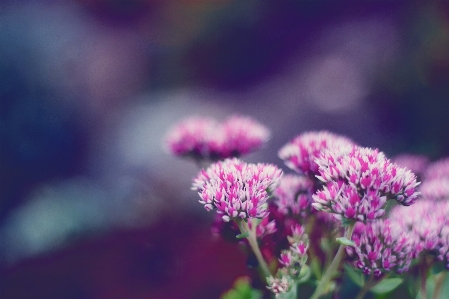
x,y
252,240
333,267
366,287
424,269
439,284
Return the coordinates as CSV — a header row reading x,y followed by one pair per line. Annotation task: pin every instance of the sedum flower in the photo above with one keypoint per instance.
x,y
191,137
425,222
380,247
300,153
240,135
237,189
437,169
278,285
359,181
435,189
294,195
204,138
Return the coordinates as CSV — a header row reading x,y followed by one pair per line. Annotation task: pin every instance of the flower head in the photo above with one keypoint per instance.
x,y
240,135
294,194
359,181
381,247
300,153
192,136
437,169
204,138
435,189
425,223
237,189
278,285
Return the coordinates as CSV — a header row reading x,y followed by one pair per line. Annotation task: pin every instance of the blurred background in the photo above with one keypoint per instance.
x,y
93,206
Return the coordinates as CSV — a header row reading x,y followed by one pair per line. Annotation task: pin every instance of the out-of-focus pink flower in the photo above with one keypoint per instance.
x,y
204,138
359,181
264,227
435,189
240,135
192,137
416,163
237,189
425,222
443,254
300,153
381,247
437,169
294,195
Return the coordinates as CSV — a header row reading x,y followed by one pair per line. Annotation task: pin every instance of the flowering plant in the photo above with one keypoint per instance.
x,y
345,213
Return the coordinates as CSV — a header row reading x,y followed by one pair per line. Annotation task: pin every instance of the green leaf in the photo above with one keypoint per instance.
x,y
387,285
345,241
356,276
242,236
242,290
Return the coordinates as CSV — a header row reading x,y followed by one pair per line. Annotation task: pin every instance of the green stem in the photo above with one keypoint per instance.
x,y
439,284
252,240
366,287
424,269
333,267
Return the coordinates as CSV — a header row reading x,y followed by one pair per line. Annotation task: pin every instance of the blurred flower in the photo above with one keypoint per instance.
x,y
381,247
435,189
294,194
237,189
300,153
437,169
425,222
192,137
240,135
204,138
416,163
359,181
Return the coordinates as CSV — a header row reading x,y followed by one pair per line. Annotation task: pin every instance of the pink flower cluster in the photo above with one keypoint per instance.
x,y
294,195
426,223
437,169
237,189
204,138
300,153
358,183
292,259
381,246
435,189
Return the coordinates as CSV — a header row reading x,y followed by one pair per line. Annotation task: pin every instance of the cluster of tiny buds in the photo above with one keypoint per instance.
x,y
278,285
358,183
205,139
237,189
380,246
300,153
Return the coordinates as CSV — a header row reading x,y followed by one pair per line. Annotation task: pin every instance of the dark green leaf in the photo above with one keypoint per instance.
x,y
356,276
386,285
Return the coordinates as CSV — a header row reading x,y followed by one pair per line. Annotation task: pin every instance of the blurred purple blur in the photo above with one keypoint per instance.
x,y
91,203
